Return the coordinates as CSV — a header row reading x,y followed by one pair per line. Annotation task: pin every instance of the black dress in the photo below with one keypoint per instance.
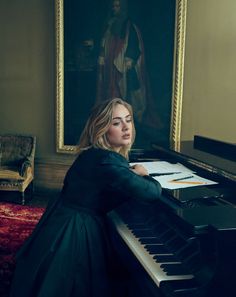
x,y
69,253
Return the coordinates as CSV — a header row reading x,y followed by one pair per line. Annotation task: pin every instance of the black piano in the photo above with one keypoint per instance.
x,y
185,244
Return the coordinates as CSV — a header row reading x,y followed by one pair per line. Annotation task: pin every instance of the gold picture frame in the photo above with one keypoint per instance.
x,y
177,78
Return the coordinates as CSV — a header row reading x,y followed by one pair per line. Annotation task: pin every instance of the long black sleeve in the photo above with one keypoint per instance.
x,y
121,179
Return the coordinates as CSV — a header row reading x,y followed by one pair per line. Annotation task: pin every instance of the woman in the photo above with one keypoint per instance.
x,y
69,253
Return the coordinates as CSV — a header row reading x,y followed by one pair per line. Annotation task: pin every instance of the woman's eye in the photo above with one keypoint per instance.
x,y
129,121
116,123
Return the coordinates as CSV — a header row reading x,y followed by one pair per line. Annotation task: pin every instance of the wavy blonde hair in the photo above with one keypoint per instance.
x,y
97,125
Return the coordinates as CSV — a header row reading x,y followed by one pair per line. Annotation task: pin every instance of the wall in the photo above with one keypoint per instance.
x,y
27,83
209,103
27,75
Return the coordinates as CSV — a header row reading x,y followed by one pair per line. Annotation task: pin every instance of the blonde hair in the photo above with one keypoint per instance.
x,y
97,125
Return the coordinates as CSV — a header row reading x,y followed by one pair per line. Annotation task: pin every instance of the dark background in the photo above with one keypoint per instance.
x,y
84,20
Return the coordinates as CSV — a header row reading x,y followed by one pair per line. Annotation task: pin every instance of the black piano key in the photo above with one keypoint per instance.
x,y
176,243
150,240
160,227
191,248
175,269
133,226
168,235
142,233
148,224
155,249
165,258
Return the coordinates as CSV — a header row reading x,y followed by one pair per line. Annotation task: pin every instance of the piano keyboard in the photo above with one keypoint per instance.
x,y
160,264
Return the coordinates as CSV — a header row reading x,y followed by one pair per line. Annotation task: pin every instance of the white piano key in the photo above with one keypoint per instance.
x,y
147,261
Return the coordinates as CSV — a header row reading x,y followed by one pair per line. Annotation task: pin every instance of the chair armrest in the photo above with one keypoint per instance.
x,y
23,167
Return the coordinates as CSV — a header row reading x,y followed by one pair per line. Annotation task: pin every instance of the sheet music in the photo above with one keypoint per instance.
x,y
163,167
182,180
174,176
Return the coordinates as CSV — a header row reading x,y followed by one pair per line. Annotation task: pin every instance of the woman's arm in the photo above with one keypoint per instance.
x,y
133,182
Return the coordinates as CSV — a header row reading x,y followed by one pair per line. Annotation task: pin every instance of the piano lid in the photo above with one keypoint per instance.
x,y
219,148
212,155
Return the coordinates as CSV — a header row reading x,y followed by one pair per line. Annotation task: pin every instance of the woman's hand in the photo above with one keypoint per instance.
x,y
139,169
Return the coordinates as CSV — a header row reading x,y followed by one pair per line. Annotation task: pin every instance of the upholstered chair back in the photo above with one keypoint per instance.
x,y
15,148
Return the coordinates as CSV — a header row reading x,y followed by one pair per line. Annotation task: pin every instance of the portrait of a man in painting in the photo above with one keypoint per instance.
x,y
119,48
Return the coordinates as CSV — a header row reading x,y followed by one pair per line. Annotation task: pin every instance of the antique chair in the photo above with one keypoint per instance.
x,y
17,163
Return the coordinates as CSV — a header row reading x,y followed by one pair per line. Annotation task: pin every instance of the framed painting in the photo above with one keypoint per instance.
x,y
120,48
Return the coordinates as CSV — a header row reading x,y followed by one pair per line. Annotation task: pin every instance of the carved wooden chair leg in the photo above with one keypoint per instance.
x,y
31,188
23,198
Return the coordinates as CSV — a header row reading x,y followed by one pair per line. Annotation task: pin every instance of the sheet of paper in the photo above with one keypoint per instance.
x,y
182,180
163,167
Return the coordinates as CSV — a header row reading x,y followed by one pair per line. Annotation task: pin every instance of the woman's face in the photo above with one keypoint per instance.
x,y
120,131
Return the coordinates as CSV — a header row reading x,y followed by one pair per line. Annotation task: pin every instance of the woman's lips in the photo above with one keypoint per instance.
x,y
126,136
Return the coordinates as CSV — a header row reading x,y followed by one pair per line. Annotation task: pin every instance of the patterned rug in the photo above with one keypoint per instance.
x,y
16,224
